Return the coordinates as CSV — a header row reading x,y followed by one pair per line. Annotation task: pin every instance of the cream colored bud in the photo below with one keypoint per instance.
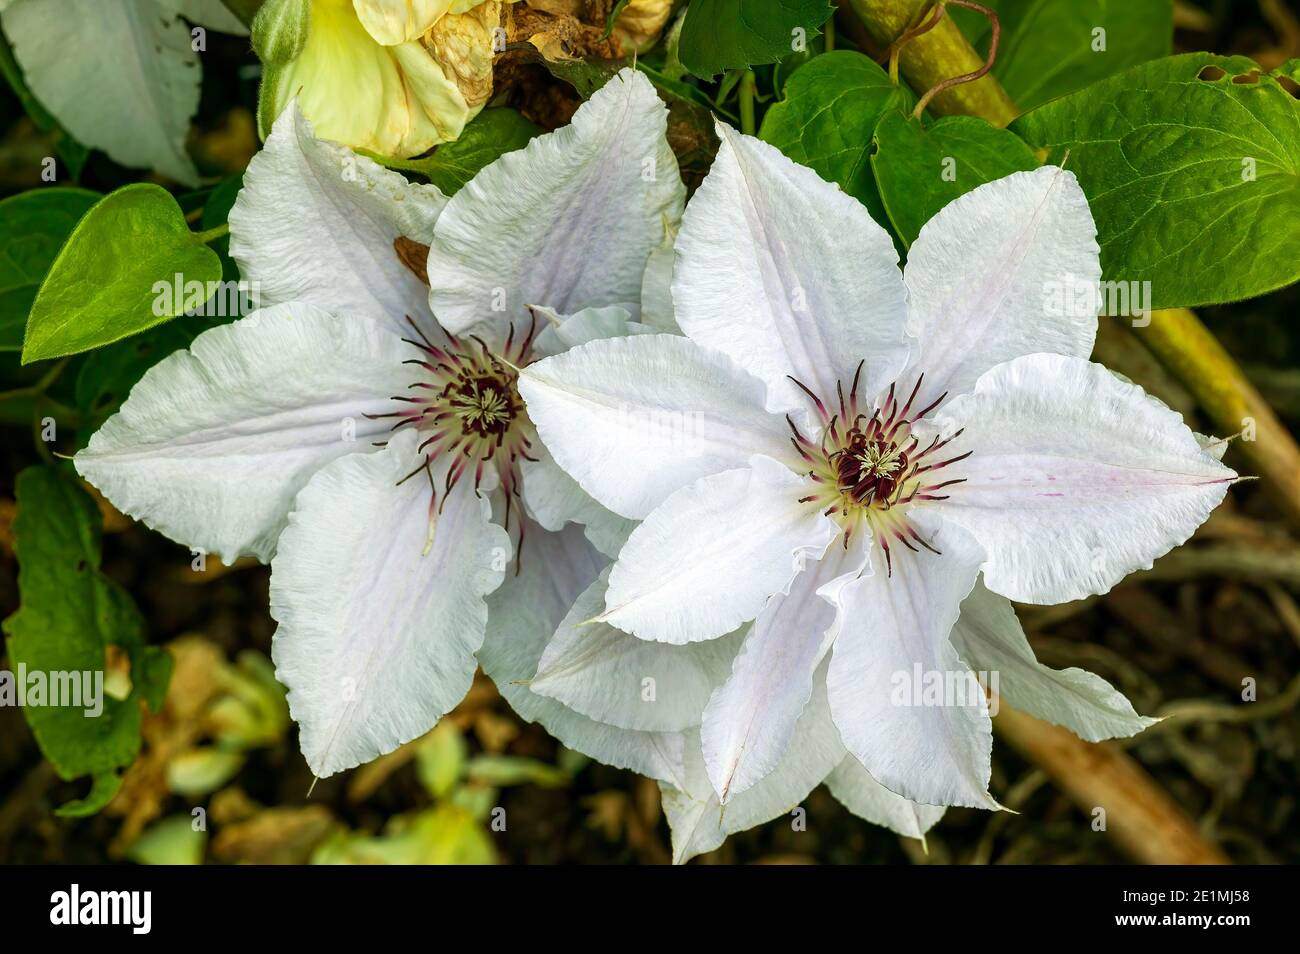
x,y
639,25
395,77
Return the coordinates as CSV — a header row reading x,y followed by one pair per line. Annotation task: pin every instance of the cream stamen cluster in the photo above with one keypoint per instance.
x,y
469,412
869,467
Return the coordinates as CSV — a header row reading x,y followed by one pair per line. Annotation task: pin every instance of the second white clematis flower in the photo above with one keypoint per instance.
x,y
376,457
842,453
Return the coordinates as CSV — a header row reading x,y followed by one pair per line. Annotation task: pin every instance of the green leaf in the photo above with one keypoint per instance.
x,y
721,35
33,227
100,289
828,117
172,841
920,170
440,759
1194,182
69,615
492,134
502,770
1053,47
103,787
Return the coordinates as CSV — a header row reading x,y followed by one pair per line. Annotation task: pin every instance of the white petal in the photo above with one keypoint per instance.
x,y
865,797
893,641
984,278
212,14
615,678
988,637
563,332
122,77
214,442
1076,478
315,222
707,559
555,569
784,272
656,285
750,719
700,823
569,221
635,419
378,624
554,499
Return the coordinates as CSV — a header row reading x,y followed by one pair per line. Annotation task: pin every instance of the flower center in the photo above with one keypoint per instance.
x,y
468,410
869,467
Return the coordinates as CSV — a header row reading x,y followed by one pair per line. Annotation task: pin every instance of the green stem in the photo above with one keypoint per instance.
x,y
829,34
211,235
935,57
41,386
748,87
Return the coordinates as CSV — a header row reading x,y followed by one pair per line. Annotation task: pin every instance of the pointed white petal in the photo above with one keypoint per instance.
x,y
569,221
865,797
989,278
1076,478
788,275
525,612
893,640
700,823
379,624
615,678
315,222
750,719
635,419
988,637
709,557
563,332
214,442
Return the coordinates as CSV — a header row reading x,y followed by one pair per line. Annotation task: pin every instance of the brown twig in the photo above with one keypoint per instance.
x,y
1146,822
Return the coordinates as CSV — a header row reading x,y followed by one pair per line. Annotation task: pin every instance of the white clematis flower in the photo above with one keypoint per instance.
x,y
376,459
860,466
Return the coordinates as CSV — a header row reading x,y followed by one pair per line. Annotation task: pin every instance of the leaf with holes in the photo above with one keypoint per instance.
x,y
1192,168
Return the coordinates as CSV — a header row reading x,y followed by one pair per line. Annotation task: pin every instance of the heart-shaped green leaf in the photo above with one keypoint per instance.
x,y
828,116
102,286
919,169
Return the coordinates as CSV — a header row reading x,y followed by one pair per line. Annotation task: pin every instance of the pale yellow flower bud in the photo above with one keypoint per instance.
x,y
395,77
639,25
